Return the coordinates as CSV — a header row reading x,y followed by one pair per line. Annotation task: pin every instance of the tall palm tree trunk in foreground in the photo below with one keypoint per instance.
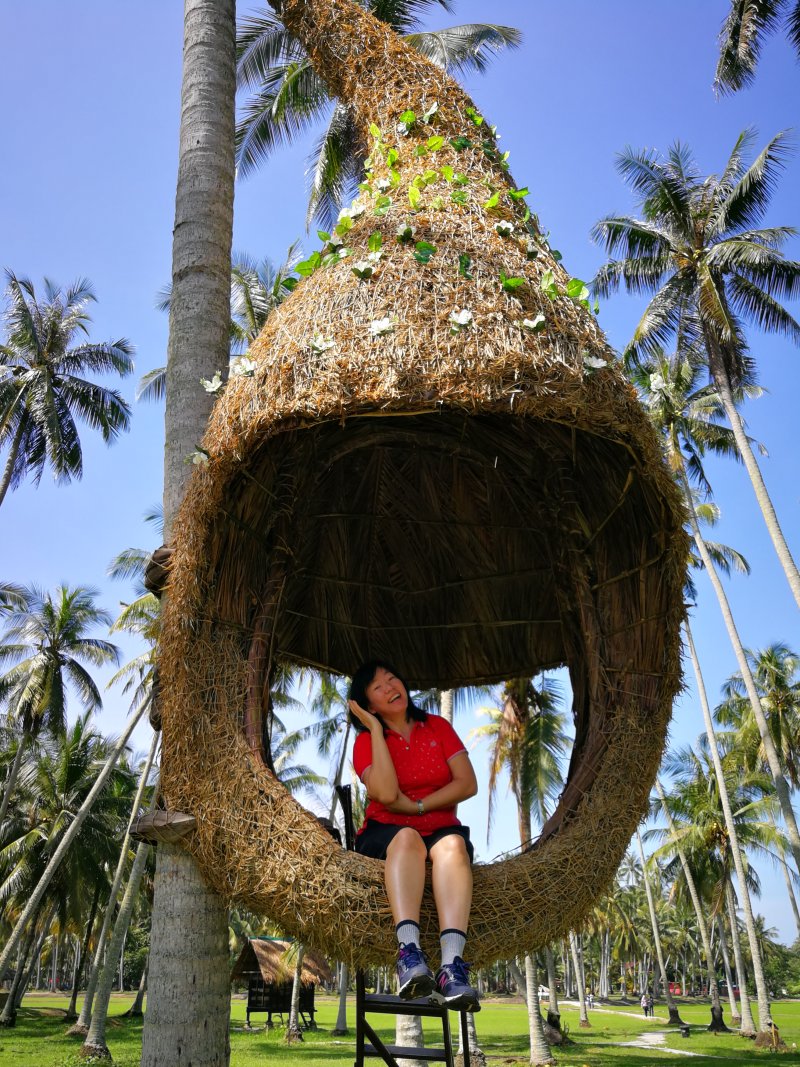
x,y
674,1017
771,753
736,853
722,382
293,1031
81,955
189,1000
717,1022
747,1025
736,1016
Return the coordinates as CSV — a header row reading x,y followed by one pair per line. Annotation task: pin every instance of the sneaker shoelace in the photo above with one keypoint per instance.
x,y
411,955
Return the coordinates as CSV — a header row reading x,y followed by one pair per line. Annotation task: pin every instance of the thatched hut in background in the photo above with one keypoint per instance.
x,y
265,963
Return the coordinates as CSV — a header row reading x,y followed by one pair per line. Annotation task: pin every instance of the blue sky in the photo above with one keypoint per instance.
x,y
89,135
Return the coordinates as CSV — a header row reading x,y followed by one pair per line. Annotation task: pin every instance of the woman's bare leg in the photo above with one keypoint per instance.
x,y
405,875
452,882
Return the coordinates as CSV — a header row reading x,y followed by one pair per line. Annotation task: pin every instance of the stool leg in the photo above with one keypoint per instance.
x,y
359,1061
448,1041
465,1038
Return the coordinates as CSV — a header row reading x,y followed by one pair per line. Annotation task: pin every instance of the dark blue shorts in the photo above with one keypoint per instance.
x,y
375,837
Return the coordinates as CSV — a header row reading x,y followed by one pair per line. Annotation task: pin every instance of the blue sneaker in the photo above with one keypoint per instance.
x,y
414,976
453,988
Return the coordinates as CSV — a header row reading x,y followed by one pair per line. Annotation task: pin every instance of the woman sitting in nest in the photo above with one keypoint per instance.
x,y
416,770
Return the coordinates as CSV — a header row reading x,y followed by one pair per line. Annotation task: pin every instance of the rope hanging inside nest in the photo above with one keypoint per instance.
x,y
436,460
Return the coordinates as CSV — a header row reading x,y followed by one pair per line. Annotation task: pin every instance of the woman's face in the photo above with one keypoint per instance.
x,y
387,695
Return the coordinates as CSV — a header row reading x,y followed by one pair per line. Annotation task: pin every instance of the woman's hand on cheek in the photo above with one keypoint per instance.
x,y
366,718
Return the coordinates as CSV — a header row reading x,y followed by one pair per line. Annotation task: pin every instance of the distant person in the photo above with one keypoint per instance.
x,y
644,1004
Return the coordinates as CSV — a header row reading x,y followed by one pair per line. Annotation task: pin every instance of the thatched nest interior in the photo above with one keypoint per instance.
x,y
434,466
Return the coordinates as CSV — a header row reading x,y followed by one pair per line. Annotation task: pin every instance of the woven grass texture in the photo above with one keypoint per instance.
x,y
435,459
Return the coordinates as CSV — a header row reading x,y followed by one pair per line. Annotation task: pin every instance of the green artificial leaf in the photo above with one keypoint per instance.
x,y
548,285
437,204
290,284
460,143
464,265
447,173
526,217
474,117
324,236
344,226
554,252
308,266
493,201
375,241
429,177
392,157
596,306
421,150
374,131
414,196
577,290
394,177
424,251
510,285
408,118
435,143
329,259
519,194
405,233
531,250
459,196
534,325
382,205
460,179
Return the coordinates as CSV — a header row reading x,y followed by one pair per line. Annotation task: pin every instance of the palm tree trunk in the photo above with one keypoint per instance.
x,y
579,980
674,1016
75,826
293,1031
540,1050
736,1017
95,1043
770,751
720,376
408,1034
446,705
35,957
189,1000
82,952
12,459
136,1009
341,1019
8,1017
717,1023
13,774
553,1014
747,1026
736,854
81,1027
789,887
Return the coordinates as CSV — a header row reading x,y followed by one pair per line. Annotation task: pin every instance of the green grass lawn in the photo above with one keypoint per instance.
x,y
39,1038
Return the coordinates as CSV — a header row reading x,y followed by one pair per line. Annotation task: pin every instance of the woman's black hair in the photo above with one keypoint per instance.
x,y
358,691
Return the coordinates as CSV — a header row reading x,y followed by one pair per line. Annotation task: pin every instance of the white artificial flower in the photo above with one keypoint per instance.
x,y
592,362
460,320
535,324
363,269
405,231
242,366
199,458
320,343
383,184
656,383
376,256
353,212
379,327
504,228
212,385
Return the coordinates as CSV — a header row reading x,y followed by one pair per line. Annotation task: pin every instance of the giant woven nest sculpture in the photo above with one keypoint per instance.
x,y
475,499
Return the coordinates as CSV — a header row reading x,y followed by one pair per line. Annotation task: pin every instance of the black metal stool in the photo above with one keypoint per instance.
x,y
367,1041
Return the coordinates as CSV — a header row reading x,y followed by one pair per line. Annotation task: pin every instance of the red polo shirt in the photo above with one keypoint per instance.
x,y
422,767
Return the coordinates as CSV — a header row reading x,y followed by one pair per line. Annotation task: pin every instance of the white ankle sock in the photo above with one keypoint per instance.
x,y
452,942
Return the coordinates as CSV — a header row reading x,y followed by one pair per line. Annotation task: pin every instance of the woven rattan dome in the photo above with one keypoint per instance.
x,y
474,497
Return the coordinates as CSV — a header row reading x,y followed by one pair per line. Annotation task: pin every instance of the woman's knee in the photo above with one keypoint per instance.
x,y
406,842
450,849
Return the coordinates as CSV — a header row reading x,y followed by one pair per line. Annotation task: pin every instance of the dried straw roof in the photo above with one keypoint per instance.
x,y
269,958
435,466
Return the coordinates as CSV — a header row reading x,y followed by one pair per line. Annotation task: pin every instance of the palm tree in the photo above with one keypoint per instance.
x,y
42,388
60,781
189,999
747,24
685,419
674,1016
289,96
47,642
699,250
256,290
